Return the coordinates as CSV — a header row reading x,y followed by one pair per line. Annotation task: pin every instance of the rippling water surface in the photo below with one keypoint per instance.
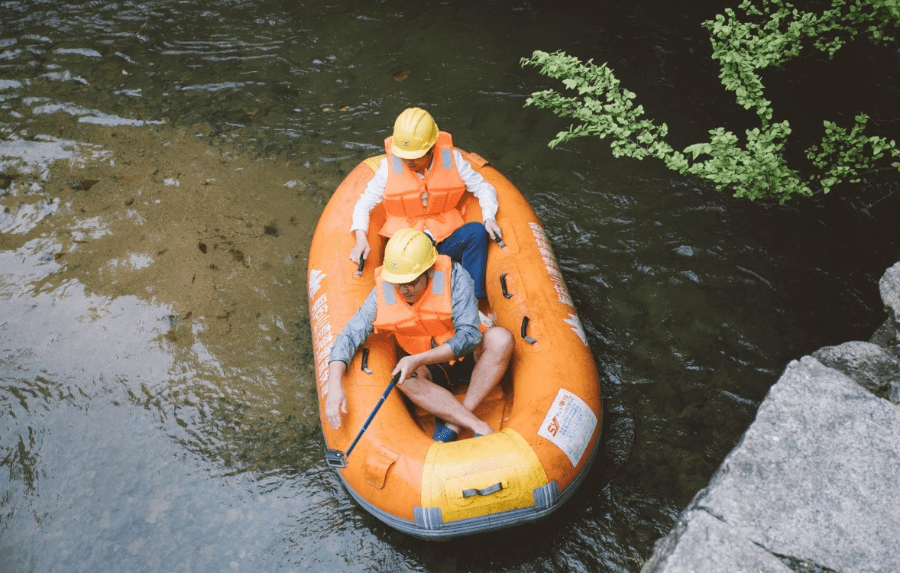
x,y
162,167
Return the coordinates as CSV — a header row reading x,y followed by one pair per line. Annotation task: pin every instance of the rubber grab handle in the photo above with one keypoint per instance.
x,y
365,362
506,293
482,492
524,331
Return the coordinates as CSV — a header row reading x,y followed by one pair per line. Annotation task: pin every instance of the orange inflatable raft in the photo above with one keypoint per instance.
x,y
548,406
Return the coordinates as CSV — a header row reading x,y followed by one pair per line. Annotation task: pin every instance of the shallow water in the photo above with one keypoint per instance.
x,y
163,166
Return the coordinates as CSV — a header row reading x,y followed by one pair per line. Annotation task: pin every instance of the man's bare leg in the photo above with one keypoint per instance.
x,y
493,356
442,403
496,350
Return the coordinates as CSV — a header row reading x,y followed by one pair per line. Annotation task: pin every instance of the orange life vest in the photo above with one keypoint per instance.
x,y
404,190
425,324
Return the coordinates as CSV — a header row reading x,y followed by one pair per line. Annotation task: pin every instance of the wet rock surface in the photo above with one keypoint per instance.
x,y
889,286
812,484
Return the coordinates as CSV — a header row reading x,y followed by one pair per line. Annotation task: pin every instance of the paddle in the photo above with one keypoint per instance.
x,y
337,458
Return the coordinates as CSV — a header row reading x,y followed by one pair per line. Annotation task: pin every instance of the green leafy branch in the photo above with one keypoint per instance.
x,y
773,33
844,155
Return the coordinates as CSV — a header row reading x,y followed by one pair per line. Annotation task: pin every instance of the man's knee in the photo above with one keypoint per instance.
x,y
413,385
498,340
472,234
477,233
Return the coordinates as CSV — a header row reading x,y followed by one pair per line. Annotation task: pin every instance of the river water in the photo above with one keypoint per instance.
x,y
162,167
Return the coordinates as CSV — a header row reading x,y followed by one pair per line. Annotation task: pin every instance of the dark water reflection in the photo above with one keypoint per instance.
x,y
149,429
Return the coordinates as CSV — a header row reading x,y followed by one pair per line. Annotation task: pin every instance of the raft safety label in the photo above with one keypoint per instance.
x,y
320,321
569,424
546,251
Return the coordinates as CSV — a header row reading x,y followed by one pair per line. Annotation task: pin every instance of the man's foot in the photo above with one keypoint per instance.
x,y
442,433
482,430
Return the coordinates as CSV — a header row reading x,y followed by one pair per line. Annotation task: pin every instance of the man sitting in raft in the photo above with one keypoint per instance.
x,y
421,181
428,303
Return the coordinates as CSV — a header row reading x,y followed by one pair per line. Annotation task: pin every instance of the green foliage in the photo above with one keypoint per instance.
x,y
772,33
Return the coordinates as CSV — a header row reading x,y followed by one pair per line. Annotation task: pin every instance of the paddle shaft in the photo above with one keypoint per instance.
x,y
374,411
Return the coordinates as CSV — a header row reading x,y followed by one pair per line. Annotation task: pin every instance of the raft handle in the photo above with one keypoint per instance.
x,y
499,241
362,263
524,332
365,362
506,293
486,491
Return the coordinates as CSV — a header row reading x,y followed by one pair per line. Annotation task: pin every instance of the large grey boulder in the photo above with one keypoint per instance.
x,y
889,287
812,486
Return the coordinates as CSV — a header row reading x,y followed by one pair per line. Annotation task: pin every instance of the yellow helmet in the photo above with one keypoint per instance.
x,y
414,133
408,254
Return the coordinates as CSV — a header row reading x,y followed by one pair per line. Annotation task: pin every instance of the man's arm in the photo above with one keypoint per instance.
x,y
354,333
335,398
371,196
483,191
464,312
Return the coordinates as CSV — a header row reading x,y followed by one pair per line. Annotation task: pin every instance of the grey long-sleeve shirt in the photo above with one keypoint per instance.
x,y
464,313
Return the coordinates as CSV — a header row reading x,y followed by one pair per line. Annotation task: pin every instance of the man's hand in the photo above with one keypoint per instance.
x,y
335,400
493,229
407,367
361,249
411,366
